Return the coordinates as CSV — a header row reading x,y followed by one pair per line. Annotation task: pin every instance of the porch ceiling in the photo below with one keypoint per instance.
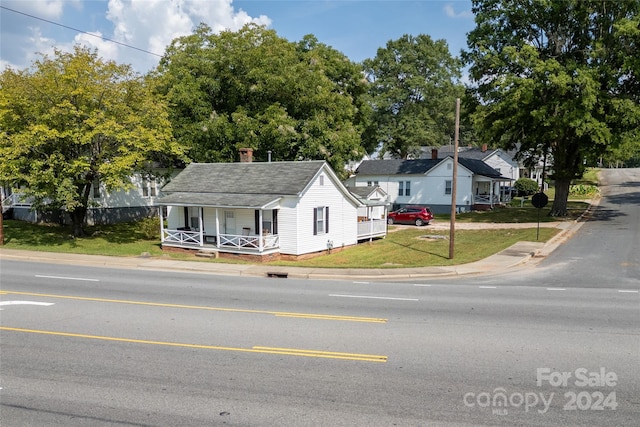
x,y
219,200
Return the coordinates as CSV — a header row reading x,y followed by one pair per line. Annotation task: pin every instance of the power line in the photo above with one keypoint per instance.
x,y
81,31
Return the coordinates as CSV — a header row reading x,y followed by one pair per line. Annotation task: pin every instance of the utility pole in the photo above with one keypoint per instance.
x,y
452,229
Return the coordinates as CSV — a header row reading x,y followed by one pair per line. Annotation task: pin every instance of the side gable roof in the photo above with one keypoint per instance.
x,y
479,167
247,185
396,166
421,166
363,193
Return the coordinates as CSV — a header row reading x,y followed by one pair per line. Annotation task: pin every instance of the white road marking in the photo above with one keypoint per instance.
x,y
556,289
68,278
487,287
424,286
627,291
362,283
372,297
24,303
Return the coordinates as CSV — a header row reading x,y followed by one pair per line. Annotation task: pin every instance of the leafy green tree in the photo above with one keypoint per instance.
x,y
73,119
414,82
558,77
253,89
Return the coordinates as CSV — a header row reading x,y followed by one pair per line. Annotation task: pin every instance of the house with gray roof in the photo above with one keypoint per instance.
x,y
269,210
430,182
500,160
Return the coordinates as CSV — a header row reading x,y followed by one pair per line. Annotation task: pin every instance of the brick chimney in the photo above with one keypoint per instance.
x,y
484,147
434,154
246,155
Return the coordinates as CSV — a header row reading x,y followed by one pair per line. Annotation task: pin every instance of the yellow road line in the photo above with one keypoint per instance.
x,y
255,349
197,307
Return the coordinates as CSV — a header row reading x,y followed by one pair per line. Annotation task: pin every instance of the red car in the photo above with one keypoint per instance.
x,y
418,215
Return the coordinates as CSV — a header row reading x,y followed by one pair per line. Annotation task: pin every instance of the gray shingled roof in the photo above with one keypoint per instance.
x,y
420,166
479,167
464,152
396,167
238,184
362,192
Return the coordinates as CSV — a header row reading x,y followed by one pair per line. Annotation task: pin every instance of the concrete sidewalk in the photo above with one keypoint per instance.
x,y
520,254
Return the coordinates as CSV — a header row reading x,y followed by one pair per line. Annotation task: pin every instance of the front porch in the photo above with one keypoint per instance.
x,y
487,193
235,243
232,230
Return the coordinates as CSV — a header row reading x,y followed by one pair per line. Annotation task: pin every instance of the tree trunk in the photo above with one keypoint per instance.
x,y
77,221
559,207
1,223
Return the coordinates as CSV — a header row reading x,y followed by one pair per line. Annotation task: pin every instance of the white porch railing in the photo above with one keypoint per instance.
x,y
182,237
234,241
486,199
7,203
372,228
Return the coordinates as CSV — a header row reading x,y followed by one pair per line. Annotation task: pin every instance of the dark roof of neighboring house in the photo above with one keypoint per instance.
x,y
420,166
253,184
395,166
471,152
465,152
479,168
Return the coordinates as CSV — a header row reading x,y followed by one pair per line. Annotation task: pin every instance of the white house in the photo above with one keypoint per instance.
x,y
272,210
135,202
430,182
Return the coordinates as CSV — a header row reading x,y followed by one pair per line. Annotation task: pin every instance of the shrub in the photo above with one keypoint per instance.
x,y
526,186
583,190
150,228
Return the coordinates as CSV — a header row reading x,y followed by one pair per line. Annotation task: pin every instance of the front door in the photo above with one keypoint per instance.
x,y
229,222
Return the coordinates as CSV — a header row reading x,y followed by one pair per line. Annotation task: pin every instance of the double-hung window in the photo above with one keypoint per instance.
x,y
96,189
404,188
447,187
148,186
320,220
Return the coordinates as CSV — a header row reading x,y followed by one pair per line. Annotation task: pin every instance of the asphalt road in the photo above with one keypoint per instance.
x,y
558,344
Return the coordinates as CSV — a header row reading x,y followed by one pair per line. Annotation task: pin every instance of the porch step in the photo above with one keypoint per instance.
x,y
207,253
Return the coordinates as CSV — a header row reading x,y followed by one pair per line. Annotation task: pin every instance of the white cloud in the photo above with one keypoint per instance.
x,y
148,25
151,25
451,12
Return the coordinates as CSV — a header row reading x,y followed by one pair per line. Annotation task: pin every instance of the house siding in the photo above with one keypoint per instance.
x,y
343,226
507,168
133,196
426,189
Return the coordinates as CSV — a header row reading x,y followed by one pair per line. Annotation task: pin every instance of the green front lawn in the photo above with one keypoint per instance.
x,y
414,247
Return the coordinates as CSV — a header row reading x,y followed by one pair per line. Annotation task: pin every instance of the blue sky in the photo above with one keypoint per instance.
x,y
355,27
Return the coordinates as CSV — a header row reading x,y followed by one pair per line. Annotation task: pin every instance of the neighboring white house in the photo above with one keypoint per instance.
x,y
502,161
105,207
266,210
430,182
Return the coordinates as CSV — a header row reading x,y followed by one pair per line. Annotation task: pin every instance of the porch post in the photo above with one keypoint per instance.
x,y
369,217
217,229
161,225
259,230
201,225
491,192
